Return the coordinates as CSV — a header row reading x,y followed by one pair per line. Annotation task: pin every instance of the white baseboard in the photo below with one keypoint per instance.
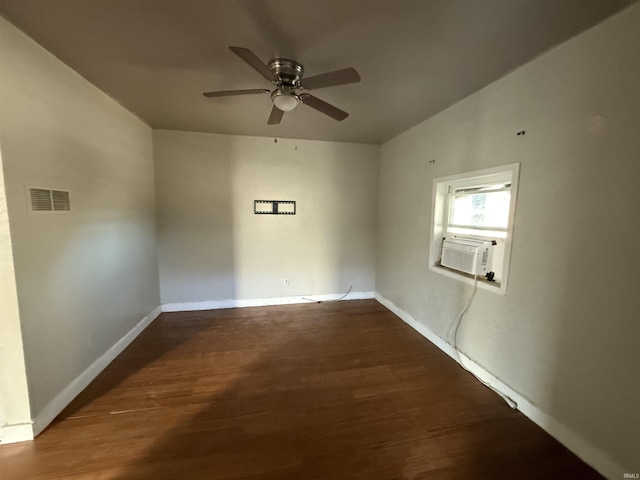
x,y
590,454
16,433
60,401
260,302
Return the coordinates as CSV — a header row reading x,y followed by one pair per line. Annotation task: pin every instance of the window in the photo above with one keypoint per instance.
x,y
477,205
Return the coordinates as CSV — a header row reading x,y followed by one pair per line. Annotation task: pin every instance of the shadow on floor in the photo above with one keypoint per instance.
x,y
166,333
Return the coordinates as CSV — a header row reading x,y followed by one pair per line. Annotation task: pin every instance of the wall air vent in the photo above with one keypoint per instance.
x,y
48,200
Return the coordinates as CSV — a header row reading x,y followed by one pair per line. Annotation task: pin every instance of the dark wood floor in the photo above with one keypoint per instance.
x,y
340,390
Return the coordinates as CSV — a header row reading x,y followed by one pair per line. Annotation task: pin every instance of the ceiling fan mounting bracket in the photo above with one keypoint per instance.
x,y
289,72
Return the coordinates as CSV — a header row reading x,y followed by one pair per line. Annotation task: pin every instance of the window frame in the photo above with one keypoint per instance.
x,y
441,211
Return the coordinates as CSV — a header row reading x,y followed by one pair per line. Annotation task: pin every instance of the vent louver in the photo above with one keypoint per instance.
x,y
47,200
41,200
60,200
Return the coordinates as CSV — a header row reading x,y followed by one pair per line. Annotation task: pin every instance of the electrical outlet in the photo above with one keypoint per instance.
x,y
286,282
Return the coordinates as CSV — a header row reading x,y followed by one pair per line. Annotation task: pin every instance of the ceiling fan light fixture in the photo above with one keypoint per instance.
x,y
285,100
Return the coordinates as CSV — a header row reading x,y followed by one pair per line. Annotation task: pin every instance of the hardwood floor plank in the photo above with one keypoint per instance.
x,y
340,390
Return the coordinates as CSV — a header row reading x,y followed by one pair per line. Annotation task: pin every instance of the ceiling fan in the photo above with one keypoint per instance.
x,y
290,87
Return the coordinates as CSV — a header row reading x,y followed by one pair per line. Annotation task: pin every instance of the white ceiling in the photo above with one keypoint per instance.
x,y
415,57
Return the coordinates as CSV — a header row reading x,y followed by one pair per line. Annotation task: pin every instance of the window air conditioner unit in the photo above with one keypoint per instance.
x,y
466,255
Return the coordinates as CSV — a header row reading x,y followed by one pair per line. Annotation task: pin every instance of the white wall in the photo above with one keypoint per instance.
x,y
212,247
87,278
566,336
15,414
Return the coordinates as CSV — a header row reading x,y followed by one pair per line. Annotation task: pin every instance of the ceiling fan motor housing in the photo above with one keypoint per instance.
x,y
289,72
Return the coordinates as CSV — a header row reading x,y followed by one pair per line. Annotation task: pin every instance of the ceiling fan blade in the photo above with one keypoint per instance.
x,y
324,107
276,116
330,79
228,93
253,60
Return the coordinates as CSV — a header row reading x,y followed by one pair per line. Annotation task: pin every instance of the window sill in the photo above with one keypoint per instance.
x,y
483,283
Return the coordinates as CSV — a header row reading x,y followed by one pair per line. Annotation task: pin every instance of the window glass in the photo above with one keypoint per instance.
x,y
481,210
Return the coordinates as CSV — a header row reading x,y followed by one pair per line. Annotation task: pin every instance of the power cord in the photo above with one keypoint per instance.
x,y
334,300
453,334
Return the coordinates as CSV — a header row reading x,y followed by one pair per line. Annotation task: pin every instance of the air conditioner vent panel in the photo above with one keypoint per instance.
x,y
474,257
